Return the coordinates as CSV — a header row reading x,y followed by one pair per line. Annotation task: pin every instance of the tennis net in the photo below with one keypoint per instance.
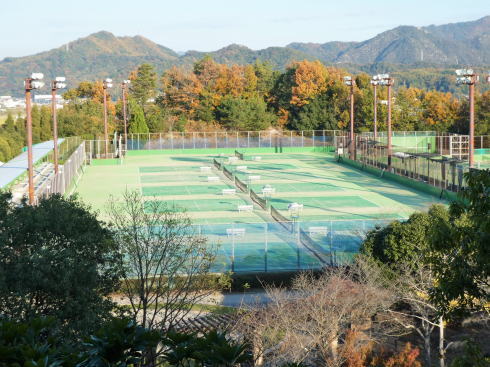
x,y
281,219
228,173
241,185
217,164
239,155
257,199
312,246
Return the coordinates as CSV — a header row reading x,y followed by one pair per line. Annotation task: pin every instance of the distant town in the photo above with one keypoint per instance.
x,y
9,103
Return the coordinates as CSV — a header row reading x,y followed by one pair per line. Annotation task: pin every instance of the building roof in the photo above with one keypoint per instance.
x,y
18,165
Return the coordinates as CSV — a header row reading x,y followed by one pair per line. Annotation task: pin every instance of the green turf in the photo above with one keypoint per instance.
x,y
154,169
323,202
178,177
206,205
297,187
183,190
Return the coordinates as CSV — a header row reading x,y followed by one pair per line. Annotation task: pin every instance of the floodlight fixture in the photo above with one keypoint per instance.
x,y
126,81
349,81
37,76
36,84
58,83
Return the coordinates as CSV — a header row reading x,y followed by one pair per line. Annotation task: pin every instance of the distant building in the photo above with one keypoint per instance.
x,y
8,102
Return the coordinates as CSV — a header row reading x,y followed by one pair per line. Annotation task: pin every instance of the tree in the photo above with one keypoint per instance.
x,y
238,113
5,151
165,261
143,84
317,115
309,323
56,259
464,273
137,123
403,241
415,282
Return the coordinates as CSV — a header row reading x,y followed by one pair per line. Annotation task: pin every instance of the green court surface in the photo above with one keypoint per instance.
x,y
184,190
342,200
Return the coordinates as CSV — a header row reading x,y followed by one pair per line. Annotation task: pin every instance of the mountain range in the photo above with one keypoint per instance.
x,y
102,54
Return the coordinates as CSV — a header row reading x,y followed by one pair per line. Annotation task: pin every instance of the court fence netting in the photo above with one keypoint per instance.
x,y
439,160
271,247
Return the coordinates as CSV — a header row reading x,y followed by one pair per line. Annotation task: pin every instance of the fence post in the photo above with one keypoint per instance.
x,y
302,139
194,140
248,139
216,139
270,139
259,139
237,142
291,138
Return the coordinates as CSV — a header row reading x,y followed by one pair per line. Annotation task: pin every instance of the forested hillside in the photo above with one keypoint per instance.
x,y
435,49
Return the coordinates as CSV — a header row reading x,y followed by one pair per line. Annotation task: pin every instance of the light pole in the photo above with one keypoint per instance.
x,y
107,84
351,83
57,83
34,82
374,83
385,79
469,77
125,84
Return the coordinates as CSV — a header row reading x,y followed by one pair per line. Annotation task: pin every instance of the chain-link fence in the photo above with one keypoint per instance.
x,y
268,247
232,139
440,161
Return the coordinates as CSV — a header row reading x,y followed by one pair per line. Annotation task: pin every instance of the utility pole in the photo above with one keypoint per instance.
x,y
34,82
57,83
352,146
469,77
106,84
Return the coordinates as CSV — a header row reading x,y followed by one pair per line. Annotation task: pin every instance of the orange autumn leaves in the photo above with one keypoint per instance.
x,y
185,89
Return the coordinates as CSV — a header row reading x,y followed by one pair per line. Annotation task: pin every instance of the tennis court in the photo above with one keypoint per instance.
x,y
327,190
339,203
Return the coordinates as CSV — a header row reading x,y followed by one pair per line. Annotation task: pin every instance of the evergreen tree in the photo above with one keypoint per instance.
x,y
36,124
143,84
45,124
137,124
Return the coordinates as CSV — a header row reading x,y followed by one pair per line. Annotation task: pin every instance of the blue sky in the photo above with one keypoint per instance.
x,y
212,24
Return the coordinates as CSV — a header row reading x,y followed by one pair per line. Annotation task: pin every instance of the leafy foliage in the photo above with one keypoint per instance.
x,y
56,259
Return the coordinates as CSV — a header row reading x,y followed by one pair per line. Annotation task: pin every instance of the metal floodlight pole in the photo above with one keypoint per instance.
x,y
124,91
29,141
31,83
55,126
106,84
374,83
389,84
56,84
106,135
472,123
469,77
352,148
